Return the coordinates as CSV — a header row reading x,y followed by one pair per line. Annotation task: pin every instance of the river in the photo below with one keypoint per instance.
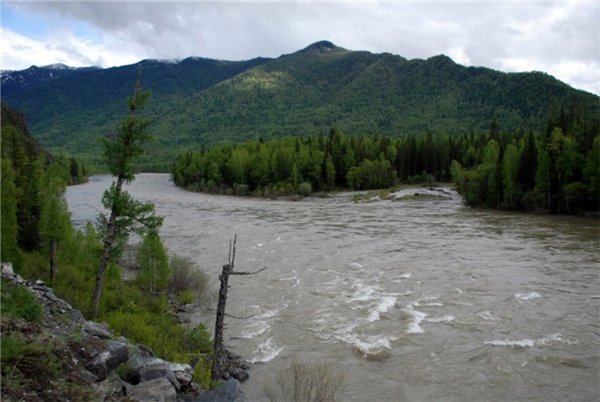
x,y
414,300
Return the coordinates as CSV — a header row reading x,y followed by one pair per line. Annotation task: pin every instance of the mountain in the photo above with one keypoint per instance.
x,y
16,81
198,102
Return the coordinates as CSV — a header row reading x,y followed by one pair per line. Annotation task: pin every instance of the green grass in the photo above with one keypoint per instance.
x,y
19,303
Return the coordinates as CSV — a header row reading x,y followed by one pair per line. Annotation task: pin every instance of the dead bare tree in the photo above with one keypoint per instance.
x,y
219,351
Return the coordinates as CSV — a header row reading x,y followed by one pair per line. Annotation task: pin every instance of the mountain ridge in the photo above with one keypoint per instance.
x,y
198,101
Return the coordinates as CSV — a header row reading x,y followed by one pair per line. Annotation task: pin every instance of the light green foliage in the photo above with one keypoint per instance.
x,y
186,296
19,303
153,262
55,221
161,334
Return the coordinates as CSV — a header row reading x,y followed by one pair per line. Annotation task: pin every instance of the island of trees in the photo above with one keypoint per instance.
x,y
556,170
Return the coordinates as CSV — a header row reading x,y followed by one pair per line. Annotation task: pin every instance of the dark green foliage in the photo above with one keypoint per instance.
x,y
9,250
206,102
324,163
557,171
19,303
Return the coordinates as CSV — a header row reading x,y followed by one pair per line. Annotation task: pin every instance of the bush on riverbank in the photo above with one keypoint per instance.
x,y
131,310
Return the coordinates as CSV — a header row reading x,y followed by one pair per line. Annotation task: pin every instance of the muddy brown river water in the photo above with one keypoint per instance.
x,y
414,300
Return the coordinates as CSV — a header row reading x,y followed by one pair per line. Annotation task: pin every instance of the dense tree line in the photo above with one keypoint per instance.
x,y
33,211
323,163
556,170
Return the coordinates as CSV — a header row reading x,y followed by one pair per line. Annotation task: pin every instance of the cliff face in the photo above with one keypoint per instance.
x,y
62,356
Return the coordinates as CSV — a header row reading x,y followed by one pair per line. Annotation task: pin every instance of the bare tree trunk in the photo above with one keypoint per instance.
x,y
219,351
218,348
53,265
106,251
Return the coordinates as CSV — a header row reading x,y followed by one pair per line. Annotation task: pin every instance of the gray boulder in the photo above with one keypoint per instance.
x,y
106,361
228,392
183,373
97,330
149,372
157,390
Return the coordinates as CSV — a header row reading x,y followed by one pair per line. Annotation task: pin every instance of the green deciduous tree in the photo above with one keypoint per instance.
x,y
153,262
55,221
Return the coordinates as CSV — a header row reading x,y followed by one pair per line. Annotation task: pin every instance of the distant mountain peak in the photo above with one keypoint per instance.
x,y
323,46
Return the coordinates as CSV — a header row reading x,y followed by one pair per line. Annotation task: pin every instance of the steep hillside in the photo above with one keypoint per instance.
x,y
198,102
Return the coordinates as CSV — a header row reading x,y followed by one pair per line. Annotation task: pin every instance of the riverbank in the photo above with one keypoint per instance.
x,y
50,352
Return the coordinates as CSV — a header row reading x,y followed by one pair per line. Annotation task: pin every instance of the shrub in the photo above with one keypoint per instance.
x,y
154,264
305,382
186,297
185,278
304,189
241,189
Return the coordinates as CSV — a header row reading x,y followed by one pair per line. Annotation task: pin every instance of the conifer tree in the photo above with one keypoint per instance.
x,y
126,214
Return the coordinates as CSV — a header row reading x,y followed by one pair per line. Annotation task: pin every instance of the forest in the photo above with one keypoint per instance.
x,y
41,243
556,170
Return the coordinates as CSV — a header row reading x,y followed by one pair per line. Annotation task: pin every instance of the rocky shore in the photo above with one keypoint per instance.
x,y
110,367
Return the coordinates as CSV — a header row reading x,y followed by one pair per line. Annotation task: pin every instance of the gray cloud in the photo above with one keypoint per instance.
x,y
503,35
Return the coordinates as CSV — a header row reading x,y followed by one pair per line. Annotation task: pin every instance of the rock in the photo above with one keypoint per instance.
x,y
229,391
110,388
183,373
105,362
7,269
96,329
157,390
240,375
145,350
149,372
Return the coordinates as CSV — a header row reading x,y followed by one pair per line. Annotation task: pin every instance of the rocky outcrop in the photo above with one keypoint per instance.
x,y
145,377
105,362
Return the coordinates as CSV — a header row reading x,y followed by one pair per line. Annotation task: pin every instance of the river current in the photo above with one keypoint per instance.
x,y
412,300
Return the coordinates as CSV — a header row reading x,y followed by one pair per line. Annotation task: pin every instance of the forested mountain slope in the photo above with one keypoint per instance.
x,y
199,102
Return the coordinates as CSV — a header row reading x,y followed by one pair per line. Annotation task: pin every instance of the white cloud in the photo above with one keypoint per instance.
x,y
559,38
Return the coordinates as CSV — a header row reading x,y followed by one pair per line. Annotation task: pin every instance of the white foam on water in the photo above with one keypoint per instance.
x,y
362,292
527,296
486,315
356,265
266,351
370,347
259,323
294,278
414,327
531,342
446,318
383,306
522,343
406,275
436,304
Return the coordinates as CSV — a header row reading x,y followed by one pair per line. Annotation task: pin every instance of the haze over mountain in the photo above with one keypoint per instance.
x,y
197,102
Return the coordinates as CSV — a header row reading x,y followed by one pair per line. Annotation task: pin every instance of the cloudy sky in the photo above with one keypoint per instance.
x,y
560,38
